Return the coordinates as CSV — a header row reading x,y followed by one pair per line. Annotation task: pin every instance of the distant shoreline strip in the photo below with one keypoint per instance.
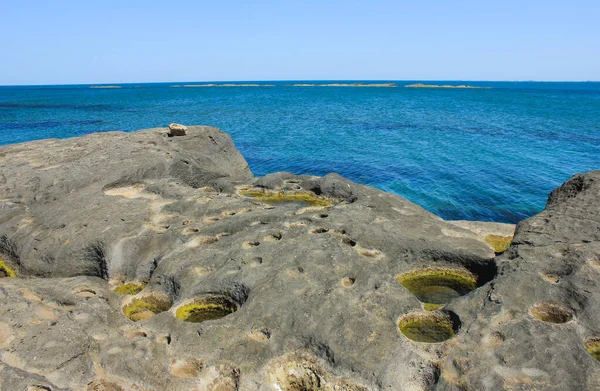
x,y
372,85
222,85
419,85
388,85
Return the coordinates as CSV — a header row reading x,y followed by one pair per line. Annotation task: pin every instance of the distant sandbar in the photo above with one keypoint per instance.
x,y
393,85
225,85
105,86
420,85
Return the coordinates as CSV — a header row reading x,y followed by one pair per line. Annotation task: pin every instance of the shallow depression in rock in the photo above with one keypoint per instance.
x,y
438,285
499,243
206,308
146,307
429,327
298,377
275,198
592,345
551,313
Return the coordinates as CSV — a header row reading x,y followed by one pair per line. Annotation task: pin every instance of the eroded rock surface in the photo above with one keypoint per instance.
x,y
229,282
528,328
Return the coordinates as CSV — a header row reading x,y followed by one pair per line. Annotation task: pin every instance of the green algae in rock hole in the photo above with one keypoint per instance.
x,y
130,288
275,198
206,308
592,345
146,307
499,243
429,327
438,285
5,270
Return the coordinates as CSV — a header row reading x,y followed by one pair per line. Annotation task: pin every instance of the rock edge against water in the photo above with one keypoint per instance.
x,y
149,262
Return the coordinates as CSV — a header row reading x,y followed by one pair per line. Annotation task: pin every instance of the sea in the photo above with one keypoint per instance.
x,y
489,154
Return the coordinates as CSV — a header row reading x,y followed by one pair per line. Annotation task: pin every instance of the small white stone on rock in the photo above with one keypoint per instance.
x,y
177,130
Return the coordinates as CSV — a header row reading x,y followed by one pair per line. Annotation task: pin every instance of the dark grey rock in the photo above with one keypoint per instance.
x,y
313,288
554,261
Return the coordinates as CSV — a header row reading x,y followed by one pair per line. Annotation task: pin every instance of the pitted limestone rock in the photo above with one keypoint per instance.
x,y
115,238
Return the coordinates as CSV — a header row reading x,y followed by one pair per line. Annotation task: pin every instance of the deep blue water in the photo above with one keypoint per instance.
x,y
479,154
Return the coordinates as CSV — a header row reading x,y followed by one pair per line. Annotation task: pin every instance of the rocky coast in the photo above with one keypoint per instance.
x,y
155,260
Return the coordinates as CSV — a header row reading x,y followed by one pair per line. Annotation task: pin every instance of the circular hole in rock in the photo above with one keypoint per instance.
x,y
206,308
347,282
146,307
438,286
428,327
551,313
592,345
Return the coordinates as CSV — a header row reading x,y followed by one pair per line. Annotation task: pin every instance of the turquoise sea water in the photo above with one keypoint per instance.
x,y
477,154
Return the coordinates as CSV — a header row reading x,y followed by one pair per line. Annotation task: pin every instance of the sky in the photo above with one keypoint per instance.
x,y
71,42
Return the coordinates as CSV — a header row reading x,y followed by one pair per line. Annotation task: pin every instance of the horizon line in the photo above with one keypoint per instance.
x,y
300,80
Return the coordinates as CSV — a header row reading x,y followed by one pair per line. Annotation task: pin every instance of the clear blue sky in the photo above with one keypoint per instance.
x,y
55,42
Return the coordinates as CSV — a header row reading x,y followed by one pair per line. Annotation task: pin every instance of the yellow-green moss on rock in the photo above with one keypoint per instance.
x,y
5,270
431,307
281,197
438,285
499,243
130,288
205,308
146,307
428,327
592,345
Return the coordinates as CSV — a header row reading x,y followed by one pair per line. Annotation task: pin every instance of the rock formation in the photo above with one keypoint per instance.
x,y
138,261
177,130
462,86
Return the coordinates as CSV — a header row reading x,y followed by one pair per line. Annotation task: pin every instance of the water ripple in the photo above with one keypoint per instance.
x,y
491,154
